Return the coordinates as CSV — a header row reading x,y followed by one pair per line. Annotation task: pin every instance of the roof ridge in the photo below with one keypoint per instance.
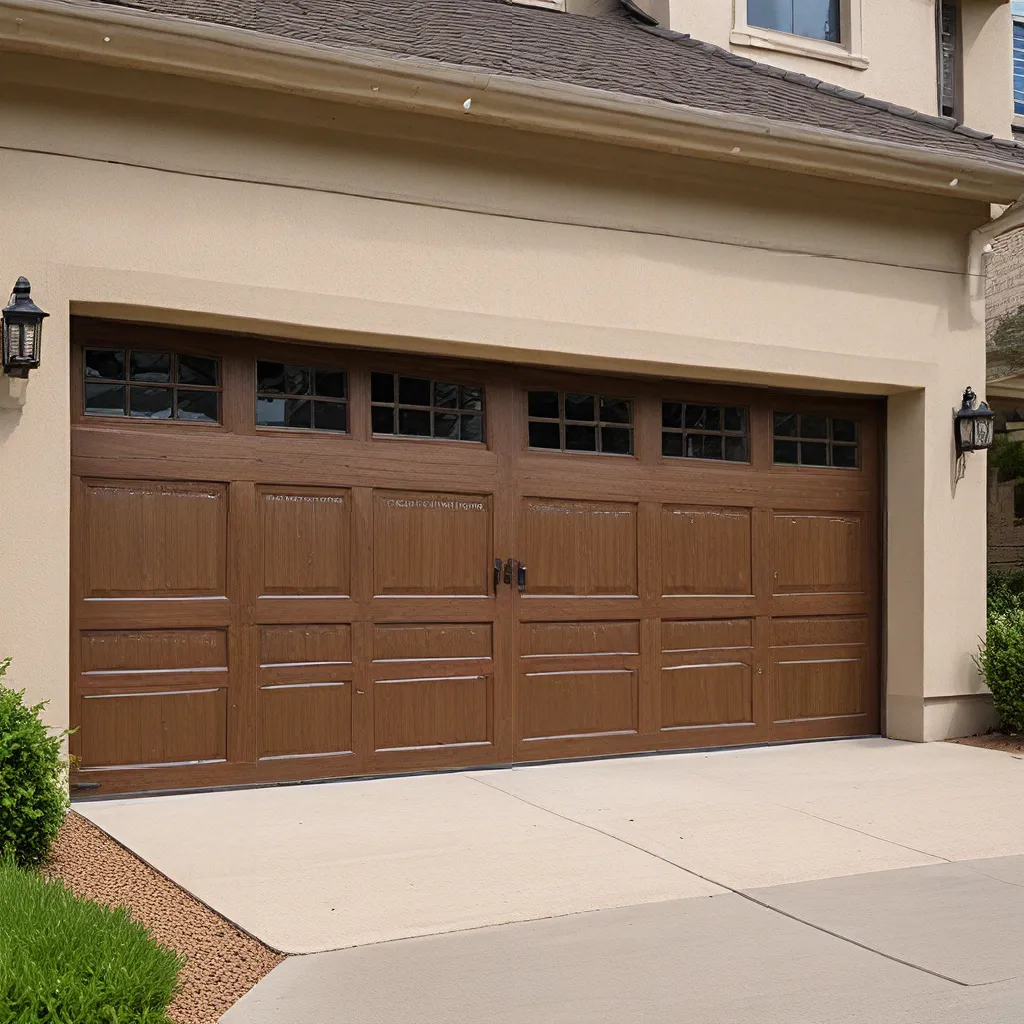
x,y
949,124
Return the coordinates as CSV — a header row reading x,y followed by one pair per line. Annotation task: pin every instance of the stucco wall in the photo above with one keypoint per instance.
x,y
318,222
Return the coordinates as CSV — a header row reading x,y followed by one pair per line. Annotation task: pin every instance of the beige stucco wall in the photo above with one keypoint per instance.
x,y
318,222
898,41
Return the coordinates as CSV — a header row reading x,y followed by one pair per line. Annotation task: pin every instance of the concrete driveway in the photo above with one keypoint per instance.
x,y
842,881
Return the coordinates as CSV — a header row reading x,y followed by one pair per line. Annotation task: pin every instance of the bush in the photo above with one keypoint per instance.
x,y
68,961
1005,591
33,786
1001,660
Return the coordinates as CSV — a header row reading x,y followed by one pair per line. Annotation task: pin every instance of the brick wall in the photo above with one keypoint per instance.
x,y
1005,536
1004,291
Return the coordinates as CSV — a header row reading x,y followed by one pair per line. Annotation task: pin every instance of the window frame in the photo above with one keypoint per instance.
x,y
849,51
829,440
311,398
746,434
561,389
460,381
1015,21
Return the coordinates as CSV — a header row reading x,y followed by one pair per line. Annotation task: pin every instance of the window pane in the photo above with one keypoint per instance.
x,y
776,14
446,424
785,424
813,453
817,19
282,379
700,446
736,419
786,452
104,399
579,407
284,412
413,422
153,403
616,410
672,444
152,367
736,449
813,426
543,403
844,430
197,370
844,456
545,435
104,362
330,416
672,414
329,383
382,387
616,440
472,428
200,406
446,396
471,398
413,391
382,418
704,417
580,439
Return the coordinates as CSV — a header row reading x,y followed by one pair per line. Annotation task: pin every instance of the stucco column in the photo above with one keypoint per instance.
x,y
987,33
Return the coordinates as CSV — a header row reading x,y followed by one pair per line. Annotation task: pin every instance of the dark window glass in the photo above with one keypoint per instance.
x,y
672,415
814,439
472,428
414,422
153,403
703,417
382,418
296,413
446,396
580,407
545,435
197,370
736,449
426,408
736,420
151,367
704,446
580,438
330,416
544,405
199,406
105,363
616,440
446,425
382,387
471,398
703,431
615,410
329,383
104,399
283,379
815,19
413,391
672,445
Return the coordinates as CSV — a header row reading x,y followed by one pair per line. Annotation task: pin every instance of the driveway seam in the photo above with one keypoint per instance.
x,y
722,885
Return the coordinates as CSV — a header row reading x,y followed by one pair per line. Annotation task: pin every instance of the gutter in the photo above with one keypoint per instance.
x,y
161,43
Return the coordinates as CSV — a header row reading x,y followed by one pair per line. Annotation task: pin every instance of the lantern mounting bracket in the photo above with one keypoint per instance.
x,y
12,392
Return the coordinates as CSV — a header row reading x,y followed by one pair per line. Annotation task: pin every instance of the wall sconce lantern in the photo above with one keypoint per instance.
x,y
973,428
22,332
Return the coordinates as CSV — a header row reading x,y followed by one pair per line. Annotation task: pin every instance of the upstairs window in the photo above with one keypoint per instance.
x,y
1018,56
815,19
950,59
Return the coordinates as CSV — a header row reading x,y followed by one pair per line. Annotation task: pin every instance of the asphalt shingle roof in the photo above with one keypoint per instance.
x,y
616,53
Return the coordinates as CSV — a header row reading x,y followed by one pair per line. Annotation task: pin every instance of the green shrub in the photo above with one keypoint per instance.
x,y
33,786
68,961
1005,591
1001,660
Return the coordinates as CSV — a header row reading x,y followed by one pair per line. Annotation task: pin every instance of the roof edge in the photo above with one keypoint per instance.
x,y
156,42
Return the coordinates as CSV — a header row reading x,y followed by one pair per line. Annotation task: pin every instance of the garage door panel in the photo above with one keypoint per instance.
x,y
578,703
430,543
705,551
305,719
147,658
155,727
574,639
423,642
432,712
305,653
815,552
153,539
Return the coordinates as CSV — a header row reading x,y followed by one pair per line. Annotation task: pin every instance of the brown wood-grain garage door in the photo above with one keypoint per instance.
x,y
294,562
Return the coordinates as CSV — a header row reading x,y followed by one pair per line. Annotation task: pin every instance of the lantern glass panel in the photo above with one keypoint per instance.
x,y
983,432
966,427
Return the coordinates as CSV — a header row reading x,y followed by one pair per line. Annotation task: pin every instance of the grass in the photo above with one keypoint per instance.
x,y
69,961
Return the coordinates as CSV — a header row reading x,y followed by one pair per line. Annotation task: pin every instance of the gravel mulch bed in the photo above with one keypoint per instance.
x,y
995,741
223,962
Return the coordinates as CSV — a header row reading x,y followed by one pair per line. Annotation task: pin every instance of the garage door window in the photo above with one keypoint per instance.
x,y
301,397
815,440
420,407
577,422
151,385
691,431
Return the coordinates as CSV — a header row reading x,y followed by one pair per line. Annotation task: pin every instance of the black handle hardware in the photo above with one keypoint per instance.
x,y
508,571
497,573
521,577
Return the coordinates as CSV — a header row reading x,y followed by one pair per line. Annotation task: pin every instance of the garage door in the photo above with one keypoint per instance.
x,y
307,562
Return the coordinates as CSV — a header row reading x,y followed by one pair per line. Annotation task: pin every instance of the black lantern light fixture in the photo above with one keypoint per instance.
x,y
22,331
973,425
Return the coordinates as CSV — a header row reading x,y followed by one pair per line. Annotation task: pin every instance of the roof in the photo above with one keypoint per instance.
x,y
616,53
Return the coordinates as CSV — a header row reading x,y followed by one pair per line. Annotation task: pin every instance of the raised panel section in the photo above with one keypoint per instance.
x,y
429,713
440,642
572,703
303,719
817,553
706,694
705,551
711,634
305,540
569,639
816,631
153,651
153,728
152,539
305,645
579,548
432,544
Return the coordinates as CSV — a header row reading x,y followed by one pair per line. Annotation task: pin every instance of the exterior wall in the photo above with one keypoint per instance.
x,y
899,48
1004,278
343,226
1005,531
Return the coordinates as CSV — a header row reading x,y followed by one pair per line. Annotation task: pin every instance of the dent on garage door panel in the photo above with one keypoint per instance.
x,y
256,604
